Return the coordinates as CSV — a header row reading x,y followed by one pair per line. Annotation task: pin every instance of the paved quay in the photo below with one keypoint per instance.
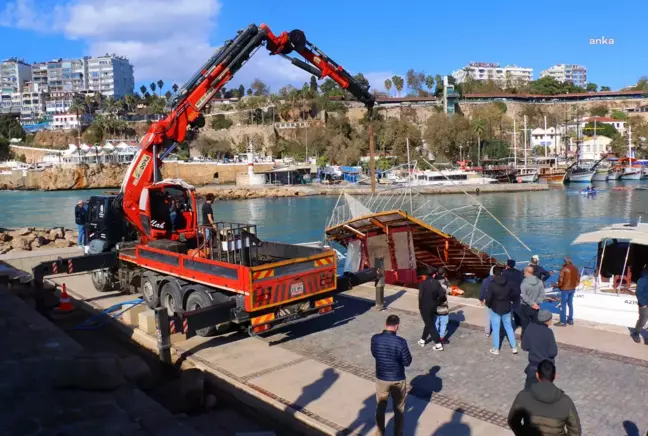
x,y
34,389
321,373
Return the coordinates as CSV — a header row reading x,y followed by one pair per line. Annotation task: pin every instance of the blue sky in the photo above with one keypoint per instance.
x,y
169,39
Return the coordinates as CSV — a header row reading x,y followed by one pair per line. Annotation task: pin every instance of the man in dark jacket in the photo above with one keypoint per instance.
x,y
80,218
430,296
500,298
482,299
642,303
540,342
538,270
544,410
514,277
392,356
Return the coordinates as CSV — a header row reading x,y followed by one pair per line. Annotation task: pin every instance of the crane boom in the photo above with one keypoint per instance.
x,y
191,99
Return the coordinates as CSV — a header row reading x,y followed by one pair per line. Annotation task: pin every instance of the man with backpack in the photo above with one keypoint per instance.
x,y
431,295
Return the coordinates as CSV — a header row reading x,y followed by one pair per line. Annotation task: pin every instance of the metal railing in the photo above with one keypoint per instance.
x,y
234,243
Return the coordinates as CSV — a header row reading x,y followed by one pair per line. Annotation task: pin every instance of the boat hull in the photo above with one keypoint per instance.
x,y
600,177
527,178
585,177
631,176
600,307
615,175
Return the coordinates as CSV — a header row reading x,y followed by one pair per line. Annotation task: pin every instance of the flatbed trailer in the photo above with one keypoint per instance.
x,y
254,284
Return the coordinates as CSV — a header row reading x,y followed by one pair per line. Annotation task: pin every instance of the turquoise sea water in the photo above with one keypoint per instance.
x,y
545,221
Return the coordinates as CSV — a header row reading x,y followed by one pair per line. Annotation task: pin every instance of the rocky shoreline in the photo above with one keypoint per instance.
x,y
31,238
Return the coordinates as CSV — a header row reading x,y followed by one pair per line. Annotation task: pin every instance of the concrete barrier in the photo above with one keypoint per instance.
x,y
26,260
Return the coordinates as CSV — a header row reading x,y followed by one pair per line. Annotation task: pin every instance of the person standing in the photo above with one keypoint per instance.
x,y
538,270
208,215
443,310
567,283
482,300
81,218
532,295
514,277
500,298
544,410
430,294
642,302
539,341
392,356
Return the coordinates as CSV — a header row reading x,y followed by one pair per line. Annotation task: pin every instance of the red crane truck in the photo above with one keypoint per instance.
x,y
215,275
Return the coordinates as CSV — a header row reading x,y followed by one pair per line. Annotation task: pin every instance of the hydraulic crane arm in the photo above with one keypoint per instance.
x,y
192,98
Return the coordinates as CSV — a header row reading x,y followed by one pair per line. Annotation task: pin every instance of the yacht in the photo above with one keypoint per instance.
x,y
449,177
527,175
579,174
606,292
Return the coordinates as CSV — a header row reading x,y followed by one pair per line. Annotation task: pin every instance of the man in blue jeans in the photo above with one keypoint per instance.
x,y
80,220
567,283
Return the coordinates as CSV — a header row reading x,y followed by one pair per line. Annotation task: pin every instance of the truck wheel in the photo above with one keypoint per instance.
x,y
199,299
102,280
150,291
170,298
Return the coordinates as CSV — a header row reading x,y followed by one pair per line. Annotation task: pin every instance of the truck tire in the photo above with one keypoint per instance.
x,y
202,297
170,297
150,292
102,280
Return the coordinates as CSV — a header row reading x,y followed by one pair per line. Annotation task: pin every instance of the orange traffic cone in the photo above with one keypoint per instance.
x,y
64,302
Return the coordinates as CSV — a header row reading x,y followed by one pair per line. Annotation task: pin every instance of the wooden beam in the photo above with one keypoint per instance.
x,y
379,224
351,229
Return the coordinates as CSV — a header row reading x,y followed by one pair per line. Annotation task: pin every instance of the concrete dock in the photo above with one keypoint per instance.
x,y
318,376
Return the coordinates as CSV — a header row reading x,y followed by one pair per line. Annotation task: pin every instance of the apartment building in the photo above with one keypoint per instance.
x,y
67,75
510,74
111,76
576,74
14,73
33,103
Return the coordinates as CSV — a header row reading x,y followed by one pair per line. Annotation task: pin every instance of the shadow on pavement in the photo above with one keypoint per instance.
x,y
212,342
456,318
455,427
366,419
315,390
351,308
420,395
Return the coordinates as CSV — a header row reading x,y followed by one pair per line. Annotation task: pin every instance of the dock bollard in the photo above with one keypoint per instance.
x,y
380,284
163,334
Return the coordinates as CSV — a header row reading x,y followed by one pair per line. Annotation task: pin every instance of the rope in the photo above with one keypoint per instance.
x,y
93,323
477,201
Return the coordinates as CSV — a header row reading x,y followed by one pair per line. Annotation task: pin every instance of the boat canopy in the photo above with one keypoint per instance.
x,y
635,234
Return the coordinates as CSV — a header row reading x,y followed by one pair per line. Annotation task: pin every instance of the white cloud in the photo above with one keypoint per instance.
x,y
164,39
377,80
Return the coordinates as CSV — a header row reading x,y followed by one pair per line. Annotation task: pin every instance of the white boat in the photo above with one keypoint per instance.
x,y
601,174
527,175
631,173
601,295
579,175
614,175
449,178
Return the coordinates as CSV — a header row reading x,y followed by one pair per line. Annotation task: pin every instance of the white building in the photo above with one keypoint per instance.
x,y
593,148
620,125
508,75
552,137
33,103
13,75
576,74
70,121
111,76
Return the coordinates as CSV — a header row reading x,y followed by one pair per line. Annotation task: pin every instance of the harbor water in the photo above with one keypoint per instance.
x,y
545,221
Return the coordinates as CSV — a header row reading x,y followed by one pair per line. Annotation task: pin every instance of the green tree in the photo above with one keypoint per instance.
x,y
601,130
160,85
446,134
605,88
129,100
259,88
329,87
398,83
313,85
362,81
619,115
438,91
599,110
249,92
153,87
415,80
168,95
591,87
388,86
219,122
143,89
175,88
241,91
429,83
495,149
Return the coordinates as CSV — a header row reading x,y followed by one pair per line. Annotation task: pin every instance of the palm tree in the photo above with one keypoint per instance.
x,y
388,85
110,105
143,89
129,100
175,88
160,85
168,95
478,128
152,86
89,102
78,107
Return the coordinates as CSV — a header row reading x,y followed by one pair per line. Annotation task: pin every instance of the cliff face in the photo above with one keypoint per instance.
x,y
82,177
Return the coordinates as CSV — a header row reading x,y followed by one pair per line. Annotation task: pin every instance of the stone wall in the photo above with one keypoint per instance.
x,y
111,175
32,154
